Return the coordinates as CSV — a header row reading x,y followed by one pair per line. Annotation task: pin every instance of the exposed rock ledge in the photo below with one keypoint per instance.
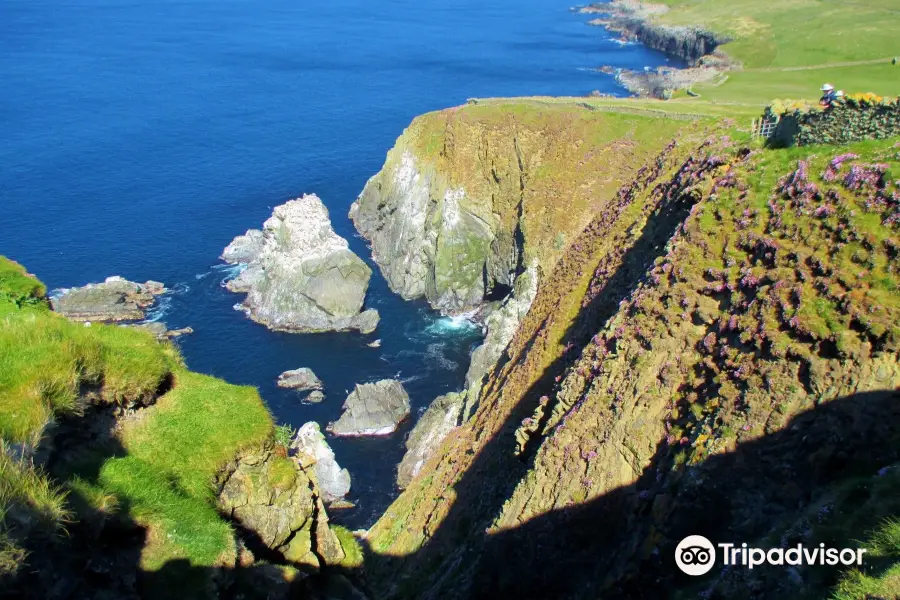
x,y
300,275
278,500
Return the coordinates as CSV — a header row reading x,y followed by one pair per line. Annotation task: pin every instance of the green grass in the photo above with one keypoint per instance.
x,y
17,287
883,546
30,504
812,38
51,367
353,553
172,454
26,489
45,360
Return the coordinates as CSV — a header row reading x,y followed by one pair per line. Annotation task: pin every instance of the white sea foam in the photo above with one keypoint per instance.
x,y
231,272
159,310
456,324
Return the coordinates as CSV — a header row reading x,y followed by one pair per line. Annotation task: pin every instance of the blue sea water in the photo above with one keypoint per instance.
x,y
137,137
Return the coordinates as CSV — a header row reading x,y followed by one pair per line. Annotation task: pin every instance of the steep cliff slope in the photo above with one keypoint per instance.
x,y
716,353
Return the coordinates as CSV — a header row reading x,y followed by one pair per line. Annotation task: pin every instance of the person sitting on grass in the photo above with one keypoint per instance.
x,y
828,95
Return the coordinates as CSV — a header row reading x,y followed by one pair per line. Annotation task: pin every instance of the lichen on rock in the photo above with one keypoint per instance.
x,y
280,502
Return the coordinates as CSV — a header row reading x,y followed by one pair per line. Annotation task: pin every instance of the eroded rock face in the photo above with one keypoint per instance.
x,y
302,379
450,410
372,409
300,275
436,422
500,326
311,449
427,243
116,299
279,501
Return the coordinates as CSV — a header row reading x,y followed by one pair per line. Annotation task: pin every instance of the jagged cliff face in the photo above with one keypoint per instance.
x,y
469,197
716,354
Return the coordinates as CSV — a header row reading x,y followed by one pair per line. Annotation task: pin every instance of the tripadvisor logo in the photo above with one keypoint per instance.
x,y
696,555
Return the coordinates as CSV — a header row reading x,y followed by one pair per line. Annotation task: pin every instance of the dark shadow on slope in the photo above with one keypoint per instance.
x,y
733,497
98,553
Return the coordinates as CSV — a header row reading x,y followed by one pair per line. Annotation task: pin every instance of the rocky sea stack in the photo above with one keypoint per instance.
x,y
311,448
300,275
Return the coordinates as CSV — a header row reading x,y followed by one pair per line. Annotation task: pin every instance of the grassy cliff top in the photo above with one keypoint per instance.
x,y
560,161
158,469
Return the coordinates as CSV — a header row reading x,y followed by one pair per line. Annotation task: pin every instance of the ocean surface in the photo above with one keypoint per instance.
x,y
138,137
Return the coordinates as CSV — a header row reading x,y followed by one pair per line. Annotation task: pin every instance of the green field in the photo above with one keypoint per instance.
x,y
789,48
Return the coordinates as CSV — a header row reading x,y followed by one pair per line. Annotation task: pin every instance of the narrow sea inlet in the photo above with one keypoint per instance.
x,y
141,137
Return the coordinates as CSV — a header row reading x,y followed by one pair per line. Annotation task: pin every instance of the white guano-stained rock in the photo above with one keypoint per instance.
x,y
310,446
300,275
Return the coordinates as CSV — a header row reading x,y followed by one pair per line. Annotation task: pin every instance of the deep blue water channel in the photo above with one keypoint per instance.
x,y
138,137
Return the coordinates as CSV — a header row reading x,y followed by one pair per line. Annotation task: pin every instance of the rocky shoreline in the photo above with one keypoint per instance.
x,y
634,20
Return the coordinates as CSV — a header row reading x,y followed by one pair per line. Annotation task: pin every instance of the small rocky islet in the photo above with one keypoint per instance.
x,y
372,409
299,275
115,300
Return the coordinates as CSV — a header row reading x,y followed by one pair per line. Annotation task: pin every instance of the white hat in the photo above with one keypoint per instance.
x,y
827,87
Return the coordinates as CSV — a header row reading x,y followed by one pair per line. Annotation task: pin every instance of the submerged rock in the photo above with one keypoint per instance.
x,y
162,331
279,501
436,422
302,379
314,397
312,449
372,409
114,300
300,275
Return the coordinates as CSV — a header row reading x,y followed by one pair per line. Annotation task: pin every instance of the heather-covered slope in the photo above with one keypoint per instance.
x,y
716,353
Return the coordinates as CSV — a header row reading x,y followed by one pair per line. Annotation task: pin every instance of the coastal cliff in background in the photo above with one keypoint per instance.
x,y
721,335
